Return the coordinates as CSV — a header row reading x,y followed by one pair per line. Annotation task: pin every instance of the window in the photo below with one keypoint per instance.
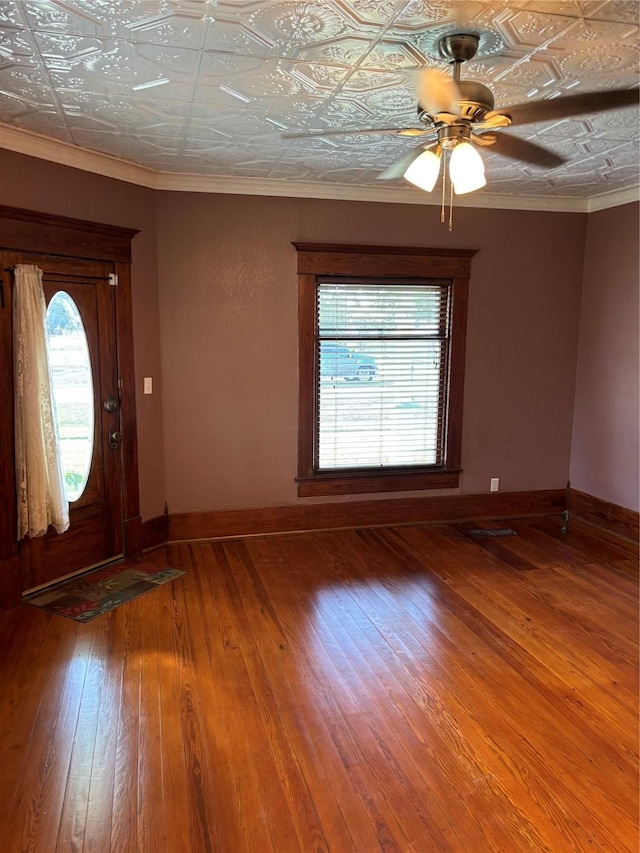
x,y
72,389
382,338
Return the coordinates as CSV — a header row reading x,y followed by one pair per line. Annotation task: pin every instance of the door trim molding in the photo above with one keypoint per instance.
x,y
47,233
24,230
128,423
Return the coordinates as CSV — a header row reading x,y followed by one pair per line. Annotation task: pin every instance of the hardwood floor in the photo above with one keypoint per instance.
x,y
404,689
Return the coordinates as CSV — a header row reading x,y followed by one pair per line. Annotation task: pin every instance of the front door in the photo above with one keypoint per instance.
x,y
81,322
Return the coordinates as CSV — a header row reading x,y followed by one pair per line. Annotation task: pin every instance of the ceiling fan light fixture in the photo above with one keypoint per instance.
x,y
466,169
424,171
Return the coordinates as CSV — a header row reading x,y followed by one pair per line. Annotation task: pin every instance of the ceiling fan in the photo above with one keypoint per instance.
x,y
455,115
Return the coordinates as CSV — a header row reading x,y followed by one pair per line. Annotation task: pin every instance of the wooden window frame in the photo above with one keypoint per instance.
x,y
379,263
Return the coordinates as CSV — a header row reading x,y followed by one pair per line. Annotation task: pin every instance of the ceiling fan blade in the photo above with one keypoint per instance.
x,y
566,106
360,131
495,120
397,169
521,149
437,92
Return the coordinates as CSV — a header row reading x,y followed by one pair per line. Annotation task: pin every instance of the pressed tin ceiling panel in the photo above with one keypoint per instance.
x,y
206,88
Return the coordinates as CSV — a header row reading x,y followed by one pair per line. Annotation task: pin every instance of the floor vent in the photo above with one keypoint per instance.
x,y
497,531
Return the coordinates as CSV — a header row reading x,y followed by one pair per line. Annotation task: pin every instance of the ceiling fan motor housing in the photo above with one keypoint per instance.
x,y
476,100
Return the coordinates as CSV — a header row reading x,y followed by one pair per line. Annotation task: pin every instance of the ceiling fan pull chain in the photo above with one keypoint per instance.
x,y
451,206
444,181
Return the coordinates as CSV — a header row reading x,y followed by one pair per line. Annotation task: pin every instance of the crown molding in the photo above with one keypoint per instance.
x,y
66,154
614,198
239,185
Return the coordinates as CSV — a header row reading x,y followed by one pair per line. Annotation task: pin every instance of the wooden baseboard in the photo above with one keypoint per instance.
x,y
220,524
154,532
617,519
10,582
132,536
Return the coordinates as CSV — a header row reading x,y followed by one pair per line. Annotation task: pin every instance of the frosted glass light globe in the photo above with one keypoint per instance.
x,y
466,169
424,170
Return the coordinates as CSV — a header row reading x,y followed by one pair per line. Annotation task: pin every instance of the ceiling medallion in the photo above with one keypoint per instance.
x,y
600,60
400,99
299,23
490,43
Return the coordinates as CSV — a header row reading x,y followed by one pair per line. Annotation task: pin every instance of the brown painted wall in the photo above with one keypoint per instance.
x,y
217,279
606,429
37,185
227,278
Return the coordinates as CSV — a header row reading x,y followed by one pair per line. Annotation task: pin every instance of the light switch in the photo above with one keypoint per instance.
x,y
148,385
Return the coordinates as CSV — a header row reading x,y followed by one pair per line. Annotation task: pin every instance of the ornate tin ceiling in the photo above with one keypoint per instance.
x,y
195,86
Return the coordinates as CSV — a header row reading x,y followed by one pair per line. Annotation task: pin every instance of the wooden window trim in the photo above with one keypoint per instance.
x,y
383,262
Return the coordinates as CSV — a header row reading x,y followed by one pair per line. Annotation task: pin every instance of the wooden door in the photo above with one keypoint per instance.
x,y
83,353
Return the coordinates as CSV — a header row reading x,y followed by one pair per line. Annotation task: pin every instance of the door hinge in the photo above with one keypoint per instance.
x,y
113,279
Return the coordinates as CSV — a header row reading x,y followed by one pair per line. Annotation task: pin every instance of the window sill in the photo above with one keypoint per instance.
x,y
360,483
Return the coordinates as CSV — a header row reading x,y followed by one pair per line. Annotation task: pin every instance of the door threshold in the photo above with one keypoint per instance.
x,y
117,558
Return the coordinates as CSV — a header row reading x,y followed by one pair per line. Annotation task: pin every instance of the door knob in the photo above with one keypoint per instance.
x,y
115,439
110,404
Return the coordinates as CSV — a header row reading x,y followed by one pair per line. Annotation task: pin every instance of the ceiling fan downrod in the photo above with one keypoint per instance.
x,y
458,48
475,99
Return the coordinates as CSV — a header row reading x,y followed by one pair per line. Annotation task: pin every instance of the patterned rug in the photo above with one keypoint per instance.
x,y
86,596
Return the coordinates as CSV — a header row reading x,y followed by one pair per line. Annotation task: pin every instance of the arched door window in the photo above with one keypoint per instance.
x,y
72,390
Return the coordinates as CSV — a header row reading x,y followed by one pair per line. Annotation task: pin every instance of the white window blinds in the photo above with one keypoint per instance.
x,y
382,355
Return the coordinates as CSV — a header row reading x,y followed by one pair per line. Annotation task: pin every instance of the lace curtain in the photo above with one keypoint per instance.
x,y
41,499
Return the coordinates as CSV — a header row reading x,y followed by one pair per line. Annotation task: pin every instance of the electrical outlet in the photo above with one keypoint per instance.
x,y
495,484
148,385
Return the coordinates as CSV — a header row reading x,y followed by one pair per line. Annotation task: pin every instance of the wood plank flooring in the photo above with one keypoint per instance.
x,y
408,689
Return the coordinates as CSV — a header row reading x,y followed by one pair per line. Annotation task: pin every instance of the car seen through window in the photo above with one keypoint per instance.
x,y
339,362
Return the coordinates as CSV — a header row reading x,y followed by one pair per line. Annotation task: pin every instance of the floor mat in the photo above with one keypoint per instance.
x,y
85,597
